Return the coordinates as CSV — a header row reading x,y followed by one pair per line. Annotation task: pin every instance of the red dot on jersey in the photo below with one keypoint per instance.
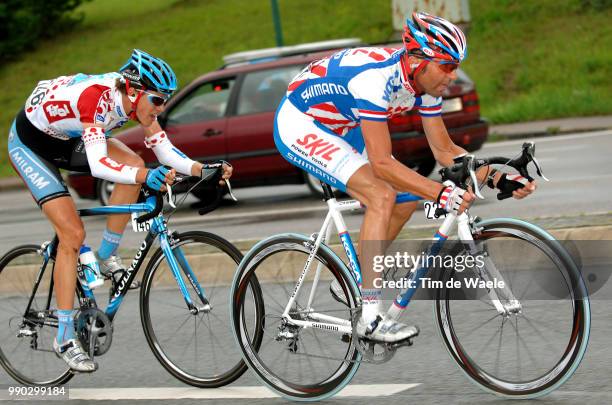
x,y
162,135
54,87
29,109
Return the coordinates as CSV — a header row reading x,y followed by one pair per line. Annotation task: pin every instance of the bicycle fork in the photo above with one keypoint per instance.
x,y
178,262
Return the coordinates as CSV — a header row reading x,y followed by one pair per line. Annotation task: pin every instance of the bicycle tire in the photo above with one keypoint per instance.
x,y
166,354
559,370
14,359
272,283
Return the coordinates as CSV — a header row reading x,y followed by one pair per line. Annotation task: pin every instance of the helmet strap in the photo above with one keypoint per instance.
x,y
411,70
134,100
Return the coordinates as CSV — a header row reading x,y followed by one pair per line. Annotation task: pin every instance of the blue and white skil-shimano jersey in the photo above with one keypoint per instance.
x,y
59,107
356,84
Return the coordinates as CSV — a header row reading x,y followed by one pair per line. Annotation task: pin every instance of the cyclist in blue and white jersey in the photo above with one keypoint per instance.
x,y
333,124
65,124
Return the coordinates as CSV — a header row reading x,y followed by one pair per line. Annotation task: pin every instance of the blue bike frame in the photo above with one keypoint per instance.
x,y
173,254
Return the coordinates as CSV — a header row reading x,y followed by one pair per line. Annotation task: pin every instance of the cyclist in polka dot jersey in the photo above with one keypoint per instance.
x,y
65,124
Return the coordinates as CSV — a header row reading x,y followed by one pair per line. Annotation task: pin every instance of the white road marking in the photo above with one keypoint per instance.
x,y
157,393
554,138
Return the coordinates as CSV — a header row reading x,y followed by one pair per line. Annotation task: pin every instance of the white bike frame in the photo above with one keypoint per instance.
x,y
344,326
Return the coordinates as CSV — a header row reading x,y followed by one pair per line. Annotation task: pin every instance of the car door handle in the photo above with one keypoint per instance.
x,y
212,132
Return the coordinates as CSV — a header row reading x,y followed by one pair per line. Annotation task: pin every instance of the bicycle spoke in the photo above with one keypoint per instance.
x,y
529,353
538,332
472,330
488,342
499,347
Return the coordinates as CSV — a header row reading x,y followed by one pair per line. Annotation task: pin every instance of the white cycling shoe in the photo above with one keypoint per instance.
x,y
385,329
73,354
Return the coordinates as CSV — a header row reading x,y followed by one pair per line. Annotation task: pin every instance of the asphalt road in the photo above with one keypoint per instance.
x,y
130,364
578,166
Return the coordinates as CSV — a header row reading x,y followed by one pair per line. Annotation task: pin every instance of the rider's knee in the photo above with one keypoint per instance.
x,y
382,197
72,236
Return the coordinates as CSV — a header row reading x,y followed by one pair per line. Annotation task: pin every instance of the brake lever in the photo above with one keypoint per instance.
x,y
530,150
229,190
170,195
470,162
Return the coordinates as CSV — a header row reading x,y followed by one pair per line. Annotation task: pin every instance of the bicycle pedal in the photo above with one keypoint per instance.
x,y
405,343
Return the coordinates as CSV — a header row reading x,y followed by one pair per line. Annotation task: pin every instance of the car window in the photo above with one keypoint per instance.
x,y
207,102
262,91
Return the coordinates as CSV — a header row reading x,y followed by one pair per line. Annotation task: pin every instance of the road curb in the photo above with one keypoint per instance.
x,y
216,267
549,127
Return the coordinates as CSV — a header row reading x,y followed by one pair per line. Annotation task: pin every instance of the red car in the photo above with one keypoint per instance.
x,y
229,113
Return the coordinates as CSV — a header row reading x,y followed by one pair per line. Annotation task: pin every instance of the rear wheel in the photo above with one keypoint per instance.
x,y
26,350
300,363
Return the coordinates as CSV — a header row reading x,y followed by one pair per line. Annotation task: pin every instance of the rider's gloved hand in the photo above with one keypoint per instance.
x,y
454,199
156,178
515,185
210,169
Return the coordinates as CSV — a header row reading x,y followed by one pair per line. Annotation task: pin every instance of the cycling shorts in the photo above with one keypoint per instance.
x,y
315,149
37,158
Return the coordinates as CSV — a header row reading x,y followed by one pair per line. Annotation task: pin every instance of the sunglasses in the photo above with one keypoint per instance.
x,y
447,67
156,100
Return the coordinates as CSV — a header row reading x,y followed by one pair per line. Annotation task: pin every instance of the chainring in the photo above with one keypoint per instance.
x,y
95,331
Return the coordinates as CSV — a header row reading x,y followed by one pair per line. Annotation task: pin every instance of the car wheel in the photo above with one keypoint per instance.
x,y
104,188
314,185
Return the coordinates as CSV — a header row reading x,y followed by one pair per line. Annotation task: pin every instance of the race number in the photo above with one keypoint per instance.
x,y
140,227
430,209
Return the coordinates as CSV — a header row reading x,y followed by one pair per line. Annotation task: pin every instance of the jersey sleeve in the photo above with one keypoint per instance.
x,y
429,106
94,103
100,164
369,90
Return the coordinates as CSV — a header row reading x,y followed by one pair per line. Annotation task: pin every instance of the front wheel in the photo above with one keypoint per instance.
x,y
526,338
304,363
196,345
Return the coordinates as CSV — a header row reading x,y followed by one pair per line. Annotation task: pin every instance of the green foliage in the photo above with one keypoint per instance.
x,y
539,60
23,22
596,4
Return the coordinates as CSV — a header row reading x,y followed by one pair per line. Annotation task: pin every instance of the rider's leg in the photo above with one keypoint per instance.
x,y
401,214
122,194
69,228
379,198
62,213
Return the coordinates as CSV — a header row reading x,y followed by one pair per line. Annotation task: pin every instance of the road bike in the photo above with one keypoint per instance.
x,y
183,302
310,349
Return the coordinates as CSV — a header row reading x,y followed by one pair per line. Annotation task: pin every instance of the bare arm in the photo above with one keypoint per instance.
x,y
378,144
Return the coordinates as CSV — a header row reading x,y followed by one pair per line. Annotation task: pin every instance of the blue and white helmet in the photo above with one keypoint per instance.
x,y
149,72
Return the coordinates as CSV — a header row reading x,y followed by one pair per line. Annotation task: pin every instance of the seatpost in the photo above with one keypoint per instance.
x,y
328,193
